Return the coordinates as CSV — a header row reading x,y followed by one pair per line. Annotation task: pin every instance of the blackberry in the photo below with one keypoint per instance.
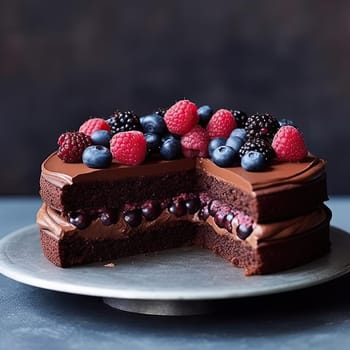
x,y
160,111
262,126
123,121
240,117
258,145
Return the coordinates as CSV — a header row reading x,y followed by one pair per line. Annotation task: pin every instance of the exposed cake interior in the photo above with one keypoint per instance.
x,y
194,205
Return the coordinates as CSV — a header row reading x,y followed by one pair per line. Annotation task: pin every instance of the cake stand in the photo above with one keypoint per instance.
x,y
181,281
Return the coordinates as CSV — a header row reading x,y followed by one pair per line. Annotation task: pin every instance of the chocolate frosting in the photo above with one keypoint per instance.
x,y
60,174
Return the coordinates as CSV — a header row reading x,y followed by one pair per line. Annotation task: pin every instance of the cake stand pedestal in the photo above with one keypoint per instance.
x,y
163,307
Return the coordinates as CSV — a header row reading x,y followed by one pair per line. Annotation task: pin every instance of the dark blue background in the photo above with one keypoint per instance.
x,y
62,61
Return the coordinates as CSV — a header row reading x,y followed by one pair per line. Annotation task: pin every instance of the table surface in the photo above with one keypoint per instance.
x,y
33,318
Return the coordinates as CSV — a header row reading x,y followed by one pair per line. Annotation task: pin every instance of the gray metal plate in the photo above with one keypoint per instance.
x,y
182,274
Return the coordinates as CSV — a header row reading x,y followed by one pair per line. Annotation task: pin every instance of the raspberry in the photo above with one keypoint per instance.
x,y
94,124
289,144
195,143
72,145
221,124
181,117
129,147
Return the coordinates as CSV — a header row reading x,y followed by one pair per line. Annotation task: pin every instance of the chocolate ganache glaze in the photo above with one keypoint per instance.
x,y
60,174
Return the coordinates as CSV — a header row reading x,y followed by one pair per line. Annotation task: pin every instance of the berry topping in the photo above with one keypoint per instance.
x,y
178,208
151,210
170,149
289,144
204,113
181,117
123,121
284,122
168,136
97,156
195,143
129,147
160,111
235,142
72,145
153,142
259,145
262,126
94,124
133,217
239,132
253,161
153,123
215,143
184,130
101,137
221,124
241,118
224,156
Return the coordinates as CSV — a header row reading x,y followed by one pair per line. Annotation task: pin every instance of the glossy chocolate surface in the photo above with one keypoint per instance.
x,y
58,173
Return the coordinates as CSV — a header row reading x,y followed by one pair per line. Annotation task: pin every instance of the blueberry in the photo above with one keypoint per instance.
x,y
177,208
192,205
224,156
253,161
79,220
133,217
243,231
239,133
215,143
219,219
204,213
235,142
171,149
97,157
153,123
228,221
108,217
153,142
151,210
168,136
284,122
204,112
101,137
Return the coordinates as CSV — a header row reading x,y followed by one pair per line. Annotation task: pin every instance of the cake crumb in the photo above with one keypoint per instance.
x,y
109,265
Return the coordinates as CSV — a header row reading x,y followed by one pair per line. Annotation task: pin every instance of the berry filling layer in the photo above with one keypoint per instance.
x,y
138,218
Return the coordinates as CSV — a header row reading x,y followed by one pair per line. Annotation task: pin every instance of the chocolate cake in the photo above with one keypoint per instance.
x,y
262,221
